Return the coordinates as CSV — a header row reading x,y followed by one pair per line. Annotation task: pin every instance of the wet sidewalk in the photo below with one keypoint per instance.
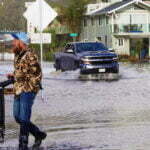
x,y
90,115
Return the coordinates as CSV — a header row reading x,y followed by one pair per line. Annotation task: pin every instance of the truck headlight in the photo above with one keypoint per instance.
x,y
115,59
85,61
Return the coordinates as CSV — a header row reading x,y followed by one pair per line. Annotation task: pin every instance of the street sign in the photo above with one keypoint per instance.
x,y
73,34
35,38
40,16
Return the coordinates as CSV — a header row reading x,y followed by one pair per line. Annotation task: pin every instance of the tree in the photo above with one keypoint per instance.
x,y
71,11
11,15
72,14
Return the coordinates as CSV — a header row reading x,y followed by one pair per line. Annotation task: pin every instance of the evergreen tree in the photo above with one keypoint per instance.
x,y
11,15
72,14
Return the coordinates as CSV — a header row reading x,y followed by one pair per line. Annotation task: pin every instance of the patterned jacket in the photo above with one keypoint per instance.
x,y
27,72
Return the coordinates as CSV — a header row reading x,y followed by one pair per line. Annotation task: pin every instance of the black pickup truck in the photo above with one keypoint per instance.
x,y
89,57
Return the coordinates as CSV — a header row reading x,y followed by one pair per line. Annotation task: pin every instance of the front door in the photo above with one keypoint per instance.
x,y
139,48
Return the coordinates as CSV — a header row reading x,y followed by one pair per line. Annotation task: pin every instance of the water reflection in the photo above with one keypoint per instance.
x,y
91,115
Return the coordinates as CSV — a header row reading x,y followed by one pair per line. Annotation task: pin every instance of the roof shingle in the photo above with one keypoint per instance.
x,y
112,7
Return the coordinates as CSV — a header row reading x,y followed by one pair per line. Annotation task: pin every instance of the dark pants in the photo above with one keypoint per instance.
x,y
22,110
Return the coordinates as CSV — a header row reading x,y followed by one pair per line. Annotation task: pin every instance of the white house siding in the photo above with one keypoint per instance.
x,y
111,1
124,49
136,18
91,33
139,16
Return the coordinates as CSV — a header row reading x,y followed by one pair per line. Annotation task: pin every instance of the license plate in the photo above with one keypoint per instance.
x,y
101,70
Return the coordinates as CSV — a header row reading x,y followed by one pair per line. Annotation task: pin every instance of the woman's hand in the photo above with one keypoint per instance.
x,y
10,76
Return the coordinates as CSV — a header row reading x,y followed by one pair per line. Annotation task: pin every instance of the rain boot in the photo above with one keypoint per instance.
x,y
23,138
23,142
38,140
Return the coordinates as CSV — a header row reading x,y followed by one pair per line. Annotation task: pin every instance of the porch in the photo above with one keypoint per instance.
x,y
133,44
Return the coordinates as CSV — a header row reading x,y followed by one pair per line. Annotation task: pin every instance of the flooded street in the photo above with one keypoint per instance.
x,y
89,115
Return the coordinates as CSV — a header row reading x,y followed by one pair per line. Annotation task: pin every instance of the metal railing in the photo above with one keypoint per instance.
x,y
2,107
131,28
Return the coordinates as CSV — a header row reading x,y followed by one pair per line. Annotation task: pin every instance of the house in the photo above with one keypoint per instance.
x,y
123,25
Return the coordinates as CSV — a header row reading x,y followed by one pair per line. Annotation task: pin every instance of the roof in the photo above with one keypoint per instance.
x,y
148,2
117,6
80,42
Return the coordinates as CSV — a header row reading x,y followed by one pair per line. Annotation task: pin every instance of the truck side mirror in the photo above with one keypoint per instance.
x,y
69,51
111,50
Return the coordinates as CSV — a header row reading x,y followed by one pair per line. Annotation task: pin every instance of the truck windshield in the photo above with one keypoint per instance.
x,y
83,47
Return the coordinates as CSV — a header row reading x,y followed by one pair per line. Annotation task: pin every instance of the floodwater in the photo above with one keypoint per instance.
x,y
89,115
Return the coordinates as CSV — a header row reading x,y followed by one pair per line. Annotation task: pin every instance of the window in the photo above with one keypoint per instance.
x,y
92,21
85,22
106,1
90,46
120,42
99,38
107,19
106,40
100,20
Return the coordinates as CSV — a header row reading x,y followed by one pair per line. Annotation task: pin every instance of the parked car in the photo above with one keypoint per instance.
x,y
89,57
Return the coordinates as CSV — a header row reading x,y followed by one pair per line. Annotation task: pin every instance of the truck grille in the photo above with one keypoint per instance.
x,y
100,60
101,63
103,57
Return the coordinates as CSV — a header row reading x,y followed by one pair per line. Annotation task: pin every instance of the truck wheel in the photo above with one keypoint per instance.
x,y
76,65
115,70
61,67
82,72
57,65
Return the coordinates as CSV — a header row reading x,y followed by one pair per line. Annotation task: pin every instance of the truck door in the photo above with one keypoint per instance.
x,y
68,59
